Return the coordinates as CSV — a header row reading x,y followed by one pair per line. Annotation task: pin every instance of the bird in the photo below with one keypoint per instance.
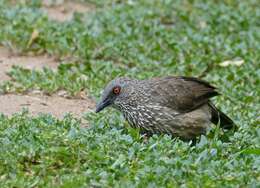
x,y
178,106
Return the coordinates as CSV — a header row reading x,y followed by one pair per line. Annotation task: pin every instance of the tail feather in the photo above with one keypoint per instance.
x,y
218,117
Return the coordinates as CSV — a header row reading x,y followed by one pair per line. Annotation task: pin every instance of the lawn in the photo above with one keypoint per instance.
x,y
139,39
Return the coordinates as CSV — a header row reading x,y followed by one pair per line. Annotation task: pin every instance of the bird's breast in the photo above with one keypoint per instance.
x,y
154,119
149,117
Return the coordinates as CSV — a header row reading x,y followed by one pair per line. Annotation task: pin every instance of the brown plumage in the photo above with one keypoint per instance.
x,y
178,106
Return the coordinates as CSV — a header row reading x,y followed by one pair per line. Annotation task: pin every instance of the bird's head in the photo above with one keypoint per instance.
x,y
117,93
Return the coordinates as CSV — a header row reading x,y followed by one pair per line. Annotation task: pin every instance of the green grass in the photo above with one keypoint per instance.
x,y
139,39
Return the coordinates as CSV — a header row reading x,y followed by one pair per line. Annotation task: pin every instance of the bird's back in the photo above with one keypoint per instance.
x,y
182,94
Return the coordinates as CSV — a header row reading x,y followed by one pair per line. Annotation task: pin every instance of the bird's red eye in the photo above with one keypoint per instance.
x,y
116,90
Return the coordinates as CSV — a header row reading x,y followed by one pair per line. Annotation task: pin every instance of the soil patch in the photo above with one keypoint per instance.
x,y
35,102
7,60
64,10
54,105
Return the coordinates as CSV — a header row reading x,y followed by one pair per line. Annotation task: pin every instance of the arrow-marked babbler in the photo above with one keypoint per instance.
x,y
178,106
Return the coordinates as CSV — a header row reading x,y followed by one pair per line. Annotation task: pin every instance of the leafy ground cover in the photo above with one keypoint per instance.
x,y
139,39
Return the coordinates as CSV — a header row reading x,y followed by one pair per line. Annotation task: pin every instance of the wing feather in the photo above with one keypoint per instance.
x,y
182,94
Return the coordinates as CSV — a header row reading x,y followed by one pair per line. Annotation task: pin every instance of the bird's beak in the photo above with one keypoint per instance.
x,y
102,104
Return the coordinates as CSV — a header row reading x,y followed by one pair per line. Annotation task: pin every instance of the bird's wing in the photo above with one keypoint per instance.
x,y
182,94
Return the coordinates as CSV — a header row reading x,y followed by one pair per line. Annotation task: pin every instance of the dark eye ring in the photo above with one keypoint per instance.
x,y
116,90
